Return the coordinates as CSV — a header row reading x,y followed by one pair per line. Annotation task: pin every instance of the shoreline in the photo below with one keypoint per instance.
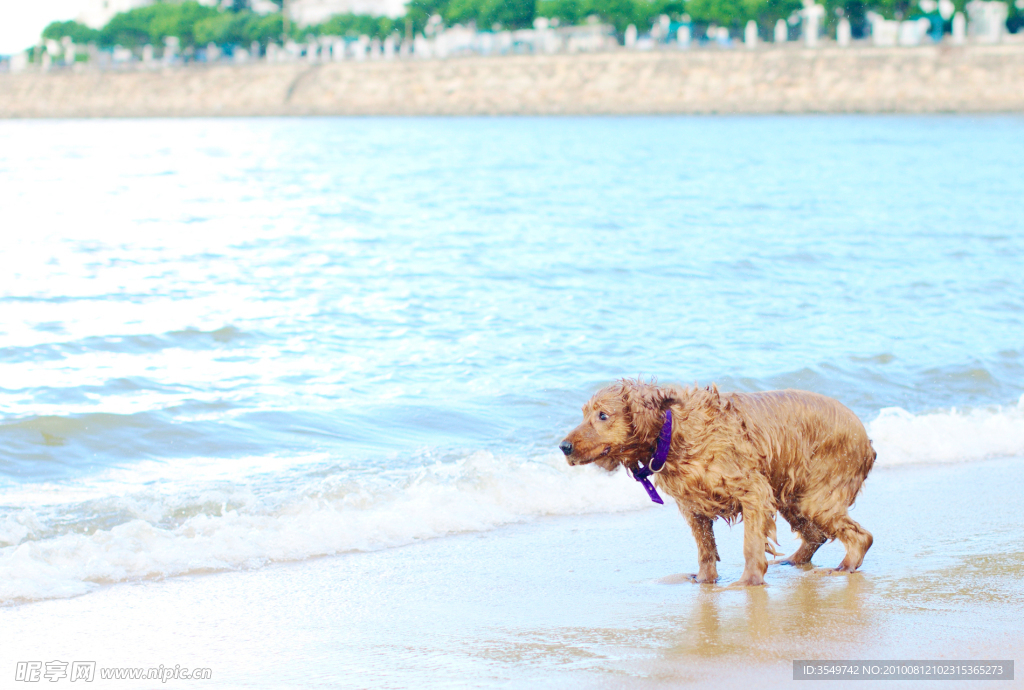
x,y
579,600
768,80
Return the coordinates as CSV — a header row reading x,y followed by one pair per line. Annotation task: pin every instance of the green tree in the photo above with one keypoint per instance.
x,y
238,28
129,28
221,29
463,12
79,33
181,23
622,13
731,13
767,12
1015,20
510,14
355,25
153,23
265,29
419,11
565,11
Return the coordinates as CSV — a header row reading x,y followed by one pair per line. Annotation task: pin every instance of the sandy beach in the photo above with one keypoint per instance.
x,y
581,602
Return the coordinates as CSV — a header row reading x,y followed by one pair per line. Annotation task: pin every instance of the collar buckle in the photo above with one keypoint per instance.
x,y
657,462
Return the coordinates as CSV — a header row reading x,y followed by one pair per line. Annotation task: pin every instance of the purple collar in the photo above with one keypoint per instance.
x,y
657,462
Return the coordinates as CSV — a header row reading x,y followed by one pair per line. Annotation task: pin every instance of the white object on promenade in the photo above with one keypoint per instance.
x,y
485,43
750,34
781,31
337,49
660,30
630,37
959,30
503,42
19,62
171,46
812,14
69,50
884,32
683,36
912,32
987,20
843,32
361,46
421,47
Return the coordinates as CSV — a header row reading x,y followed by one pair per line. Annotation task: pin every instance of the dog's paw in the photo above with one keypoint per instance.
x,y
841,570
749,581
789,561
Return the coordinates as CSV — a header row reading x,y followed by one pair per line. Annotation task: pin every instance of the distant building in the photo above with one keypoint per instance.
x,y
315,11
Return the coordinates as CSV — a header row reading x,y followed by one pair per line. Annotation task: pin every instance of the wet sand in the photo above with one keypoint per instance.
x,y
580,602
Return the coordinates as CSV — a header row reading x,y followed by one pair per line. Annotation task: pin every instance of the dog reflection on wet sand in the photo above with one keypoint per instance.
x,y
738,456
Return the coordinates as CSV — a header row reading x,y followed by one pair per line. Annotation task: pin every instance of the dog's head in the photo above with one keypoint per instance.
x,y
620,424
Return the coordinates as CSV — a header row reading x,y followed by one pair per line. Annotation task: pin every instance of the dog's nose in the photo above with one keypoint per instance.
x,y
566,448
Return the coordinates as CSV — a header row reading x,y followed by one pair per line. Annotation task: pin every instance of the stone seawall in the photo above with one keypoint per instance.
x,y
767,80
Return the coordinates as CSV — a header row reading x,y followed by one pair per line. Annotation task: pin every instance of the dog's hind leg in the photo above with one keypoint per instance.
x,y
811,535
855,538
707,550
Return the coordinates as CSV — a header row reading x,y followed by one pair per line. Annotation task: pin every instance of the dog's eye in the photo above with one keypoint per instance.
x,y
602,416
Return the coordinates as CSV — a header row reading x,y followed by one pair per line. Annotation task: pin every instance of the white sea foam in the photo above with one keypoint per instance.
x,y
58,543
230,528
948,436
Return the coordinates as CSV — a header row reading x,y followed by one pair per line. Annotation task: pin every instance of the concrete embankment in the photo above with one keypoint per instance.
x,y
768,80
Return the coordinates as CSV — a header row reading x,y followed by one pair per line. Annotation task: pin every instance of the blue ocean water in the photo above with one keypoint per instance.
x,y
229,342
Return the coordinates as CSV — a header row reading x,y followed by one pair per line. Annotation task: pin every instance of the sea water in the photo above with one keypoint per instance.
x,y
229,343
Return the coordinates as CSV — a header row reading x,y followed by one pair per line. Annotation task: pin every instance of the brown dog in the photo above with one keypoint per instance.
x,y
739,455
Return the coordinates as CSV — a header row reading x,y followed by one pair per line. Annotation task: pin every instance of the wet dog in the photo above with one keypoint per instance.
x,y
738,456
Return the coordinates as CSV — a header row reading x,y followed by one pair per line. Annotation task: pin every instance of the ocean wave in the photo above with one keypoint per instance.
x,y
156,519
902,438
224,526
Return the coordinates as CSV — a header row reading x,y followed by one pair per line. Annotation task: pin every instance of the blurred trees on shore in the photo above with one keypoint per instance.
x,y
197,25
192,23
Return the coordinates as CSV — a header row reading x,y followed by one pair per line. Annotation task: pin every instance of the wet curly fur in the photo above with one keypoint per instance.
x,y
739,455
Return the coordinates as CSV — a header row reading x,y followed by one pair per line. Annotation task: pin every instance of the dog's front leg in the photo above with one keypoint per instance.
x,y
707,550
757,519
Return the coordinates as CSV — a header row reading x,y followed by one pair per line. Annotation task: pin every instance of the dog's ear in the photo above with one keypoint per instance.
x,y
646,403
